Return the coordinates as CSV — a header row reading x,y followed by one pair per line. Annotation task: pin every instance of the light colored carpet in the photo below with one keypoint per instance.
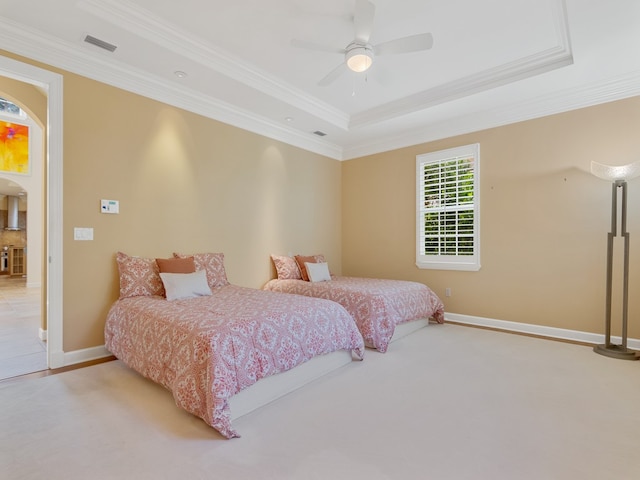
x,y
446,402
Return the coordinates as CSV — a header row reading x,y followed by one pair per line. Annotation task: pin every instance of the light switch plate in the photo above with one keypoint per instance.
x,y
109,206
82,233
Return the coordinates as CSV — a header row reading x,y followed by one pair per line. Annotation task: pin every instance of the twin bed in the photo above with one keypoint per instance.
x,y
223,350
382,309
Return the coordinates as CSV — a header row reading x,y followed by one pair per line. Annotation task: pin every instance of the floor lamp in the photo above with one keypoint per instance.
x,y
618,176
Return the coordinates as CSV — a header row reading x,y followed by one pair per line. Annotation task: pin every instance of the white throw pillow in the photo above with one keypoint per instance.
x,y
185,285
318,272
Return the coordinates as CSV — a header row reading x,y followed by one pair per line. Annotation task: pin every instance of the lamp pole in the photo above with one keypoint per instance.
x,y
609,349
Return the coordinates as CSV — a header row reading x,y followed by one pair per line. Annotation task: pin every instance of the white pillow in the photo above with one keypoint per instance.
x,y
185,285
318,272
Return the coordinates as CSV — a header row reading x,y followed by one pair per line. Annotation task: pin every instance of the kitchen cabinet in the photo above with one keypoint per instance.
x,y
17,261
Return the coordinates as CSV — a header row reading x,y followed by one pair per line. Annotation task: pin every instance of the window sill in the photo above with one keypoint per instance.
x,y
466,267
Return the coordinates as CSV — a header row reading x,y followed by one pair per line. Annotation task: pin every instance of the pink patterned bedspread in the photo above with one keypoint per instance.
x,y
377,305
206,349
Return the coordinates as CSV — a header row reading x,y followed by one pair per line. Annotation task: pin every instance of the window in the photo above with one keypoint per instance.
x,y
448,209
10,108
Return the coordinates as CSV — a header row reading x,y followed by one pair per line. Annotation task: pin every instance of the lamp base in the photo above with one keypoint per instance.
x,y
616,351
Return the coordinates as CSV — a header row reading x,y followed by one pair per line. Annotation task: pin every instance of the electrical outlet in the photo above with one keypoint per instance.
x,y
447,292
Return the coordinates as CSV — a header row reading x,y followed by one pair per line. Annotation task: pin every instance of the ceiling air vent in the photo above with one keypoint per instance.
x,y
100,43
319,133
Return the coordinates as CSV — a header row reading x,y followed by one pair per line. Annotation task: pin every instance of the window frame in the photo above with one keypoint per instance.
x,y
439,261
22,115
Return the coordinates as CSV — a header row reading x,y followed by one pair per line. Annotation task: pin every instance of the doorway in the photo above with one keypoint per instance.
x,y
23,347
51,219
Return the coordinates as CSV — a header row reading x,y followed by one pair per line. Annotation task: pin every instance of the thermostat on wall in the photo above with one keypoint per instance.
x,y
109,206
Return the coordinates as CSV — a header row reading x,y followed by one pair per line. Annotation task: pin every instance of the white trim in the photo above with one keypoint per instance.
x,y
440,261
569,99
86,355
537,330
36,45
52,83
496,77
55,205
557,56
402,330
145,24
458,266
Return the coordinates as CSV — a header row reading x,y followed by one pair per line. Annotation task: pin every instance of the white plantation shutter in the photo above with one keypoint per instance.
x,y
447,209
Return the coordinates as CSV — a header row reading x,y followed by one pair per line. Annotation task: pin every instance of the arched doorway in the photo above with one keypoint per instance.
x,y
51,83
23,328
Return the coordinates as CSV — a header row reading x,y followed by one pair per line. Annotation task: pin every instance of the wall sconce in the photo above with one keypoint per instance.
x,y
618,176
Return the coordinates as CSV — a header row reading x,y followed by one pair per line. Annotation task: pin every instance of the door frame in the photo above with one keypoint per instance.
x,y
52,83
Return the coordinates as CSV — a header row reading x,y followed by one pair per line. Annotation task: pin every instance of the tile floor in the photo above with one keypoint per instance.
x,y
21,350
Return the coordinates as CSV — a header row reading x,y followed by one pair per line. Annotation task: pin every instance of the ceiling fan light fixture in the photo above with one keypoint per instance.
x,y
359,58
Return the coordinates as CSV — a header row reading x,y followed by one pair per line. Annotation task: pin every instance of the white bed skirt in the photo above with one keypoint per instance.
x,y
271,388
405,329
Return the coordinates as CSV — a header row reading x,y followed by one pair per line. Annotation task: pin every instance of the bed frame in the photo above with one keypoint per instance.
x,y
271,388
404,329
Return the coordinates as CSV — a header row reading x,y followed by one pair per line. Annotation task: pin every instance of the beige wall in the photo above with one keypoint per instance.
x,y
185,183
191,184
32,99
544,219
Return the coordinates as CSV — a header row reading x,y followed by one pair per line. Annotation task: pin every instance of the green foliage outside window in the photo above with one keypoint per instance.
x,y
448,213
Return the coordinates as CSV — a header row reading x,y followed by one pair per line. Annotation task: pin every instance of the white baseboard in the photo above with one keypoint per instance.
x,y
94,353
85,355
538,330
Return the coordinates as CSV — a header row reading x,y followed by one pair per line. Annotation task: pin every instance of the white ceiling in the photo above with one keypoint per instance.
x,y
493,62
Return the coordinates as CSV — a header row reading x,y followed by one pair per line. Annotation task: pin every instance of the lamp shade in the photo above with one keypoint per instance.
x,y
613,173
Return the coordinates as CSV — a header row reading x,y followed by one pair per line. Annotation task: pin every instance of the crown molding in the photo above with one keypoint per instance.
x,y
145,24
609,90
558,56
38,46
527,67
34,45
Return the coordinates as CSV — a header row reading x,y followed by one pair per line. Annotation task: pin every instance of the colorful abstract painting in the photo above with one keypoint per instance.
x,y
14,148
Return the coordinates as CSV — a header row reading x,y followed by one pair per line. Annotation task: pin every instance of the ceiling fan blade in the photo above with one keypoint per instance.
x,y
333,75
315,47
363,20
413,43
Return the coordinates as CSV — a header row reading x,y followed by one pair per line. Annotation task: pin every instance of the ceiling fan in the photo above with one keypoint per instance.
x,y
359,54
